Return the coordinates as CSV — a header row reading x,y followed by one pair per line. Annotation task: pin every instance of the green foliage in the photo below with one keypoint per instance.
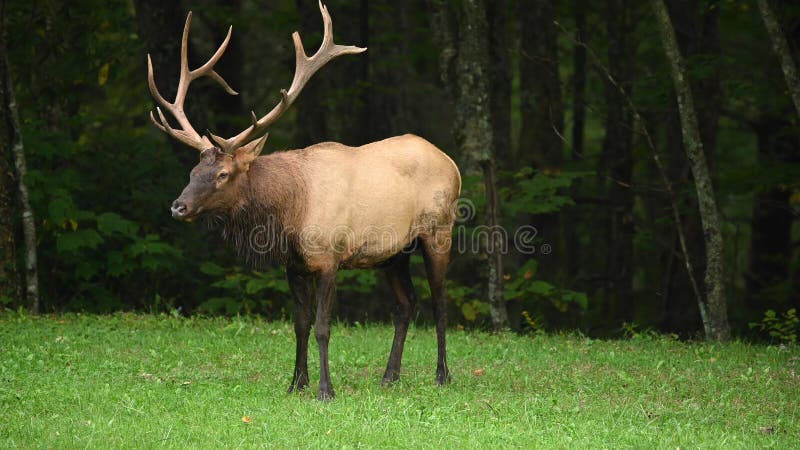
x,y
464,299
783,328
531,322
244,292
99,180
630,329
358,281
103,249
539,192
530,192
524,285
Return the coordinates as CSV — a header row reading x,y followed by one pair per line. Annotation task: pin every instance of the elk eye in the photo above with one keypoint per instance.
x,y
222,176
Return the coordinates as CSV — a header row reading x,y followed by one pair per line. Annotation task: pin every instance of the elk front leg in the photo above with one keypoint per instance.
x,y
302,287
326,293
400,281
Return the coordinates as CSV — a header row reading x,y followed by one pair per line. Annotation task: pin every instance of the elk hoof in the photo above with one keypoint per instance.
x,y
390,379
325,395
298,385
442,378
297,388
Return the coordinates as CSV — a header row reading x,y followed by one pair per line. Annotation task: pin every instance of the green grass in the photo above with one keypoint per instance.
x,y
143,381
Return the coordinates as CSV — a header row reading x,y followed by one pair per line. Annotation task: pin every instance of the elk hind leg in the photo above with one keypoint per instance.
x,y
436,252
326,294
399,279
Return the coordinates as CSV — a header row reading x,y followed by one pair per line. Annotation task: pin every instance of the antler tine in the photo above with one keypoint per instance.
x,y
151,83
328,37
305,68
186,133
156,123
207,69
181,135
220,141
185,46
327,23
164,122
221,81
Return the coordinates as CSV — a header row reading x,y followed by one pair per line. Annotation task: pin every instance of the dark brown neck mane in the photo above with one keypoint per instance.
x,y
265,225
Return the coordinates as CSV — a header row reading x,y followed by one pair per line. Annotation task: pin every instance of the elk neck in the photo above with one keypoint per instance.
x,y
263,226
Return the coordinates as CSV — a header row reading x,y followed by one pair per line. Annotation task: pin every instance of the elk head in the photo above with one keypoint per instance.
x,y
216,183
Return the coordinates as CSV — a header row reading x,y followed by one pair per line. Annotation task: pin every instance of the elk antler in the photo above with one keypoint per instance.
x,y
305,68
186,133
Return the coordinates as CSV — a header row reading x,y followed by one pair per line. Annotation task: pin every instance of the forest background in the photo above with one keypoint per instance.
x,y
571,104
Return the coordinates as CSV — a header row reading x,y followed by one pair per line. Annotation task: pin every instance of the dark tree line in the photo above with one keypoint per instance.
x,y
554,111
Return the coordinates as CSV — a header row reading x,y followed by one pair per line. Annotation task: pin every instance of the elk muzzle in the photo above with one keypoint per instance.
x,y
179,209
182,211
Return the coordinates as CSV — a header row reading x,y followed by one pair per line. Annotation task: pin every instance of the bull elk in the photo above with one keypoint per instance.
x,y
320,208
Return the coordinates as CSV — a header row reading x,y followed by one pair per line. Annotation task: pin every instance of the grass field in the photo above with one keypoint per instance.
x,y
142,381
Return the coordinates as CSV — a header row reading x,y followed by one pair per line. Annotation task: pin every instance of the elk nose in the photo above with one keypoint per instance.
x,y
178,209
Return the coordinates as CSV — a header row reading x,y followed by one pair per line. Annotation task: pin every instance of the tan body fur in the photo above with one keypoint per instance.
x,y
365,204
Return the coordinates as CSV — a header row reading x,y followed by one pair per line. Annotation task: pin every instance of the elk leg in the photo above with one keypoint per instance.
x,y
326,293
400,281
302,287
436,252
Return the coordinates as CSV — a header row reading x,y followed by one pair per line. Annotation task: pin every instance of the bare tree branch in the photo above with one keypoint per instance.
x,y
781,51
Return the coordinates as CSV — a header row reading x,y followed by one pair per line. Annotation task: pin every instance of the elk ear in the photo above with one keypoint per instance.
x,y
247,153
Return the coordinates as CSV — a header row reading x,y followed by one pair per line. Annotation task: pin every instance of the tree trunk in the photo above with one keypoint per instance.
x,y
541,140
312,108
494,249
767,283
617,160
387,84
500,81
714,310
28,220
347,100
365,114
696,24
9,276
464,67
225,113
573,259
679,308
781,51
541,107
579,81
159,25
